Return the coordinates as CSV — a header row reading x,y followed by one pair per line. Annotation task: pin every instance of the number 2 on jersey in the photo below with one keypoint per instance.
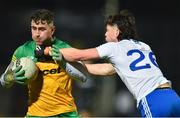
x,y
133,66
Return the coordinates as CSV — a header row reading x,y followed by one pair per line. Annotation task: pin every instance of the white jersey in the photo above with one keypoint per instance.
x,y
136,65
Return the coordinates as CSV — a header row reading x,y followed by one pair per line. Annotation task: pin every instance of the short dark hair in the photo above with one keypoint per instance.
x,y
125,22
43,15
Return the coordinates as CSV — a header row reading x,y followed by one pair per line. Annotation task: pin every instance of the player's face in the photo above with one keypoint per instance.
x,y
41,33
112,33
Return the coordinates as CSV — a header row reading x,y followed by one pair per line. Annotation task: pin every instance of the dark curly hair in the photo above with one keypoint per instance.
x,y
126,24
43,15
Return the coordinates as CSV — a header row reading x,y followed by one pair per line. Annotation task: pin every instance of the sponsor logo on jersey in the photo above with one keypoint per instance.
x,y
52,71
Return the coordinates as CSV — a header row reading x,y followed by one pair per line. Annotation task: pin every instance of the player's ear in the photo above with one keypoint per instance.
x,y
117,32
53,29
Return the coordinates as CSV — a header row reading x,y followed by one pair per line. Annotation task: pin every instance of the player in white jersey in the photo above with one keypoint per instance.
x,y
137,69
134,62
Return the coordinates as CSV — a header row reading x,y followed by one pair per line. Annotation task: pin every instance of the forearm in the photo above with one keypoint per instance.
x,y
102,69
73,54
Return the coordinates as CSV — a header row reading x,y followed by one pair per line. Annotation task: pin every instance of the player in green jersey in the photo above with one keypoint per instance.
x,y
50,93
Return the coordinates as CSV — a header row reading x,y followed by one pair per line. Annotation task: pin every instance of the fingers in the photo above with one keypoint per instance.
x,y
56,58
21,82
55,47
20,73
17,69
55,51
21,78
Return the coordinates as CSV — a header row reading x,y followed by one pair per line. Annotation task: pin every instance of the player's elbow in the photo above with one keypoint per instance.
x,y
108,70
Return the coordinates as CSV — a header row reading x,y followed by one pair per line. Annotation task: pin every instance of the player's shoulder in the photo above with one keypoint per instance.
x,y
135,44
61,43
126,41
27,44
121,44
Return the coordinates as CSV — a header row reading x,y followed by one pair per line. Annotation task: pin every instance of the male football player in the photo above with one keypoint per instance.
x,y
134,62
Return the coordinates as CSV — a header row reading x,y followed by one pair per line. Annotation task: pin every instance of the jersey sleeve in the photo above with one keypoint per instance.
x,y
61,44
77,71
105,50
18,53
27,49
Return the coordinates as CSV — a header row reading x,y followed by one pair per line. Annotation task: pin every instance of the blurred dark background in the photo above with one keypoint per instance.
x,y
81,24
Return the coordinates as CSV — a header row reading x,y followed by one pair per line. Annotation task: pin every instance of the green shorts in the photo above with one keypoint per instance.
x,y
68,114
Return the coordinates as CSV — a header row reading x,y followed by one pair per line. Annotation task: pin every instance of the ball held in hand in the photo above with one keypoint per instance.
x,y
28,65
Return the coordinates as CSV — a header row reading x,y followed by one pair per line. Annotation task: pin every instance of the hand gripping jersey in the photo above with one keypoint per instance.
x,y
50,92
136,65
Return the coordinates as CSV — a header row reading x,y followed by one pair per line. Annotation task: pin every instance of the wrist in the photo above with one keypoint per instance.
x,y
6,81
9,77
62,64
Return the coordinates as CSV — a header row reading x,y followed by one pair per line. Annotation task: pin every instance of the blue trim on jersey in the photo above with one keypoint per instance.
x,y
160,103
